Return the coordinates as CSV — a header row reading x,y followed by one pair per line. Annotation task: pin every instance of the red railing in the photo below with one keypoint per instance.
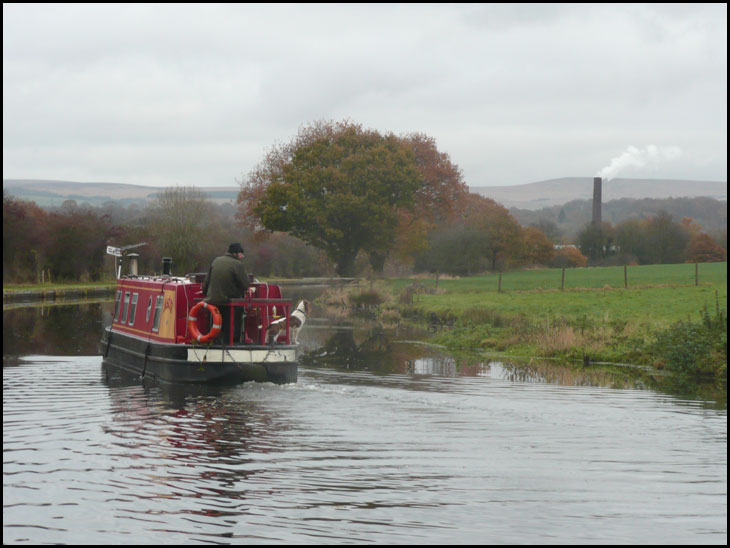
x,y
257,315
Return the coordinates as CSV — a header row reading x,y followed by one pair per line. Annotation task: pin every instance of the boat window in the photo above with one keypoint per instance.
x,y
133,310
126,307
158,311
149,309
119,302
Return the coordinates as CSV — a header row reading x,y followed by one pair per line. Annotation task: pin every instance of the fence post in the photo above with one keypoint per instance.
x,y
499,287
562,280
626,277
697,274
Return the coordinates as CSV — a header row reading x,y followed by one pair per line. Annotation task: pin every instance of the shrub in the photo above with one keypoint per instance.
x,y
695,349
568,257
365,299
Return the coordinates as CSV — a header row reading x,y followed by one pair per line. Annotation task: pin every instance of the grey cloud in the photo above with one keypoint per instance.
x,y
513,92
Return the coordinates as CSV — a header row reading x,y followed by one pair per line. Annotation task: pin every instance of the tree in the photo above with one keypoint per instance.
x,y
436,202
285,256
457,249
442,189
503,232
180,217
537,248
703,249
631,239
25,238
693,228
271,168
338,188
596,241
666,239
77,244
548,228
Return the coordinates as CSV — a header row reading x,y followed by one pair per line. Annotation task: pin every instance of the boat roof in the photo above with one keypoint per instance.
x,y
187,279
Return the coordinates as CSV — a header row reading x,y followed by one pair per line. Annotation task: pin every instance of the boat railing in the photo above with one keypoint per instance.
x,y
257,315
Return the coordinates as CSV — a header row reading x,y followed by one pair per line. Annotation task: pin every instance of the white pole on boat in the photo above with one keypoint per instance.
x,y
119,253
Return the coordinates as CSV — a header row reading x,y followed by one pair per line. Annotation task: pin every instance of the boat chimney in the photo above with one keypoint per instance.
x,y
166,266
597,201
133,264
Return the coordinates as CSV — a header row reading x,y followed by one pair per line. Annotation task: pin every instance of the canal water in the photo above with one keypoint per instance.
x,y
383,440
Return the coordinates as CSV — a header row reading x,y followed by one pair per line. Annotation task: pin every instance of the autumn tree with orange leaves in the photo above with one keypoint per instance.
x,y
536,248
346,189
338,188
703,248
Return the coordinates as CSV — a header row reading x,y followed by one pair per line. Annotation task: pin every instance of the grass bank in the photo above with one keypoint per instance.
x,y
601,315
14,293
15,288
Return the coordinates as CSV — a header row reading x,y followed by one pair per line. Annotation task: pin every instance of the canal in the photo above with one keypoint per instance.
x,y
383,440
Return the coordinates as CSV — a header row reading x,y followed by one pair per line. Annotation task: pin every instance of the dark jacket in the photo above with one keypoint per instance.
x,y
226,279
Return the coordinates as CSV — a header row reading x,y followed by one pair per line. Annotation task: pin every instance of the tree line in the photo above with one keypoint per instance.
x,y
68,243
657,240
338,199
565,221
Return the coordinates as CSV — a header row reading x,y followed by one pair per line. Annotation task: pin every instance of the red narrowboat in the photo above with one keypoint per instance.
x,y
159,330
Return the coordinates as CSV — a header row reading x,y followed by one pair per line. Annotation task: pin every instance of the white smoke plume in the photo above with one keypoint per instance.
x,y
635,157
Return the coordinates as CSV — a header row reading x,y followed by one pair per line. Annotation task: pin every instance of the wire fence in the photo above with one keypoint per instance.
x,y
614,277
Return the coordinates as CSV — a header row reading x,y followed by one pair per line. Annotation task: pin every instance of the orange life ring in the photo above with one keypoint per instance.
x,y
193,330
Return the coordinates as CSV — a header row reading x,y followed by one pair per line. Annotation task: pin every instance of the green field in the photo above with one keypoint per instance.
x,y
594,277
656,295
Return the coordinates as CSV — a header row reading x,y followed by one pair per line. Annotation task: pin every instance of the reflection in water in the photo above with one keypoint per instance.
x,y
380,351
202,438
56,329
385,351
374,350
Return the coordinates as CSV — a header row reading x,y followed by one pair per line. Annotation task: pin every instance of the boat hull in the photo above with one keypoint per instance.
x,y
209,364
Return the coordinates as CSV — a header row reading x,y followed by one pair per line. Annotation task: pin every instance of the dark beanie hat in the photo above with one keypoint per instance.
x,y
235,248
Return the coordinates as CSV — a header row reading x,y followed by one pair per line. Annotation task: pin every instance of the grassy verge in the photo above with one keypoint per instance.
x,y
662,319
14,288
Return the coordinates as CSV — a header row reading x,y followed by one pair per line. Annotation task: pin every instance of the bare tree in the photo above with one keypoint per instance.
x,y
179,217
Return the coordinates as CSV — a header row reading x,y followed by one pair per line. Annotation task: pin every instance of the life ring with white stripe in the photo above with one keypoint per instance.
x,y
193,330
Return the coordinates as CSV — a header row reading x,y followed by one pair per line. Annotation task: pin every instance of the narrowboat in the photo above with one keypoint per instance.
x,y
162,329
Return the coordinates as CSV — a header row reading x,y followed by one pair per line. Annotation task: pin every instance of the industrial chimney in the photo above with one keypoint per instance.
x,y
597,201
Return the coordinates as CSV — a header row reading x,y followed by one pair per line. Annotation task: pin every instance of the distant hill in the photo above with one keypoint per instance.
x,y
48,193
534,196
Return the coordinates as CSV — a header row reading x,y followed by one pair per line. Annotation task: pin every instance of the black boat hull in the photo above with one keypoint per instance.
x,y
204,364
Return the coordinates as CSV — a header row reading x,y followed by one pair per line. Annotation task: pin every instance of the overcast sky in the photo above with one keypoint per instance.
x,y
190,94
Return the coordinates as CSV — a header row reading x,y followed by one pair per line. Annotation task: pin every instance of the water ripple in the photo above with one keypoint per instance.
x,y
353,457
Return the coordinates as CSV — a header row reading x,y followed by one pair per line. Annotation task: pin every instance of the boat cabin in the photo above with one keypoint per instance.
x,y
158,308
